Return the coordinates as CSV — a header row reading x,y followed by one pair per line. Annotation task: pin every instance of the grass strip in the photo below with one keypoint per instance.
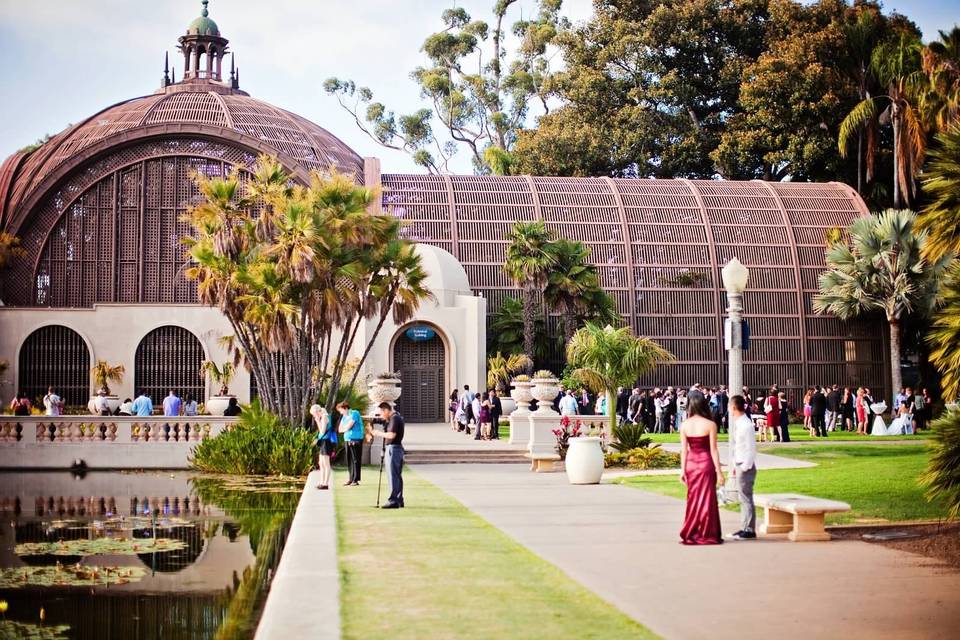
x,y
436,570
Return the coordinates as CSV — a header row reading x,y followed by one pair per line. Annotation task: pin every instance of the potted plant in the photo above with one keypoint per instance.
x,y
499,370
546,387
385,387
103,374
582,454
221,375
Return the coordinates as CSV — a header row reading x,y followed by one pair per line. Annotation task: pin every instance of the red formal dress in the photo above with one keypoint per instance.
x,y
701,525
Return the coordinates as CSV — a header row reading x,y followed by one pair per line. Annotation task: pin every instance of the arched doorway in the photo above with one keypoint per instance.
x,y
420,357
55,356
169,357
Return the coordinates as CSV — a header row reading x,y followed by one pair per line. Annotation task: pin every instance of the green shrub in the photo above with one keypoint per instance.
x,y
643,458
942,477
259,444
354,395
629,436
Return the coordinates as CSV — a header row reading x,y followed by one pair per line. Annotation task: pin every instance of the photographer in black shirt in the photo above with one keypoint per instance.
x,y
392,435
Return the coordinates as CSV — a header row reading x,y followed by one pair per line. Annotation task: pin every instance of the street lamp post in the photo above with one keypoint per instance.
x,y
735,277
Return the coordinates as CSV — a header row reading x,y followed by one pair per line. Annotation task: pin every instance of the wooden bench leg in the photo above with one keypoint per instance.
x,y
775,521
808,527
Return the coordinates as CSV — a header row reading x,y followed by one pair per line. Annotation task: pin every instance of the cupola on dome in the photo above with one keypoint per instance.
x,y
204,25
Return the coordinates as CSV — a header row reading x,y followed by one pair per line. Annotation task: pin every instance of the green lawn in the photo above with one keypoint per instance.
x,y
435,570
879,481
798,434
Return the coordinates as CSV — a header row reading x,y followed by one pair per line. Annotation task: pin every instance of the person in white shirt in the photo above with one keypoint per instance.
x,y
53,403
568,404
101,405
745,467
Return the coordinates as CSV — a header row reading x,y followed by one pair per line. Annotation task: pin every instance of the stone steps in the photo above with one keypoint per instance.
x,y
465,456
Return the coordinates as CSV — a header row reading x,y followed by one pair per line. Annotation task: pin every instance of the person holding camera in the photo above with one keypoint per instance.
x,y
392,435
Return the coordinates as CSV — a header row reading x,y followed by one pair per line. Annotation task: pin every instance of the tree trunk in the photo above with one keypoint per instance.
x,y
896,380
860,162
529,321
569,324
896,159
611,413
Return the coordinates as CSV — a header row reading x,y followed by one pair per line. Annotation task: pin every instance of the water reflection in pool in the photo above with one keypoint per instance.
x,y
138,555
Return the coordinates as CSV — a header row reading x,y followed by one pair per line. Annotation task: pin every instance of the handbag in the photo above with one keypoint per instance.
x,y
728,493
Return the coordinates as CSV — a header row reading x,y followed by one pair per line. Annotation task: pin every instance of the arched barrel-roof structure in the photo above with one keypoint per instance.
x,y
659,246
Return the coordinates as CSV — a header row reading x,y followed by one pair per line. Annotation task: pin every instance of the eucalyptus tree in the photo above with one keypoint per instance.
x,y
528,264
881,269
479,92
606,358
297,271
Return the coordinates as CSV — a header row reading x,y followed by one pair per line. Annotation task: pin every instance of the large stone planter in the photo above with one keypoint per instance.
x,y
584,461
519,425
382,390
509,405
112,401
545,390
217,405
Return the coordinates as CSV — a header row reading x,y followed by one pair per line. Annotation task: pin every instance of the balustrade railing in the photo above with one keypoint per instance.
x,y
54,430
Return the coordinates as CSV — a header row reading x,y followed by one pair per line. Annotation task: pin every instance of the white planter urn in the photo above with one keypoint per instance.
x,y
545,390
216,405
584,460
521,395
509,405
383,390
112,401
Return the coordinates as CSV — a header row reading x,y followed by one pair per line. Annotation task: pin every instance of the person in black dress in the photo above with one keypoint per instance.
x,y
496,410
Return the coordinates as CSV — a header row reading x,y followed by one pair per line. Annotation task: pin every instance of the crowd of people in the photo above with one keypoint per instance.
x,y
476,413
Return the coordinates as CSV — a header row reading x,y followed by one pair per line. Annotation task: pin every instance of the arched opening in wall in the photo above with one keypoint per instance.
x,y
169,357
420,356
55,356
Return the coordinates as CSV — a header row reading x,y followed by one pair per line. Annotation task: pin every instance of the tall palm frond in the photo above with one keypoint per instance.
x,y
940,217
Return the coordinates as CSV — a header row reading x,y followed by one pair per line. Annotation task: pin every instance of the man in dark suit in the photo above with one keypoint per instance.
x,y
818,412
496,410
623,404
649,410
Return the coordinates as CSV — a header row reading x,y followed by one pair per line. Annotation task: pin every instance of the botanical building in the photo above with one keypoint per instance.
x,y
98,209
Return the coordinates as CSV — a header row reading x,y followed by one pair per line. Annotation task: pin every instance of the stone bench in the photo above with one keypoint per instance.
x,y
797,515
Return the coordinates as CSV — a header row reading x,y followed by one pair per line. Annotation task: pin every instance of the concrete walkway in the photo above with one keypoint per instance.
x,y
432,436
622,543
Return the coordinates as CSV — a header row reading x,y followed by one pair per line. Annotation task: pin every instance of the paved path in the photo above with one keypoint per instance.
x,y
433,436
622,543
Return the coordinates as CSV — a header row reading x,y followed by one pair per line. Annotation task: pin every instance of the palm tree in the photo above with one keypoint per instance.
x,y
221,375
861,37
940,98
572,284
606,358
881,269
941,219
895,64
528,264
501,368
103,374
505,331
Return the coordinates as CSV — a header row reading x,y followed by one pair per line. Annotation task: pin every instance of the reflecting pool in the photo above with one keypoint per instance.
x,y
138,555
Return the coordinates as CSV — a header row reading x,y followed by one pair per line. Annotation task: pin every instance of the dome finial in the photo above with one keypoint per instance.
x,y
205,12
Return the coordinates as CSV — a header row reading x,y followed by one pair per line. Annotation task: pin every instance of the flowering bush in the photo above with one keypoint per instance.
x,y
564,433
643,458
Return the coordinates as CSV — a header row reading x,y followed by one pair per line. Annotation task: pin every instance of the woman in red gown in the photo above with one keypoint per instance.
x,y
700,462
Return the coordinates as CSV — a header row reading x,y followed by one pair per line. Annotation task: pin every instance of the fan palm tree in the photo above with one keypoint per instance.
x,y
571,284
528,264
895,64
103,374
606,358
501,368
880,270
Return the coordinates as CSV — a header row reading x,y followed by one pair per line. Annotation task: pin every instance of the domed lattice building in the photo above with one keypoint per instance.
x,y
98,208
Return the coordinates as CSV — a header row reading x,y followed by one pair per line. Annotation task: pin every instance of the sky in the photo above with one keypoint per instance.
x,y
63,60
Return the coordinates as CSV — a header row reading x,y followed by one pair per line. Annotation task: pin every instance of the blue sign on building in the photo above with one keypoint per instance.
x,y
420,333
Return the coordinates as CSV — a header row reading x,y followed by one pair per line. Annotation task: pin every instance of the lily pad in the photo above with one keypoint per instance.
x,y
75,575
112,546
11,630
